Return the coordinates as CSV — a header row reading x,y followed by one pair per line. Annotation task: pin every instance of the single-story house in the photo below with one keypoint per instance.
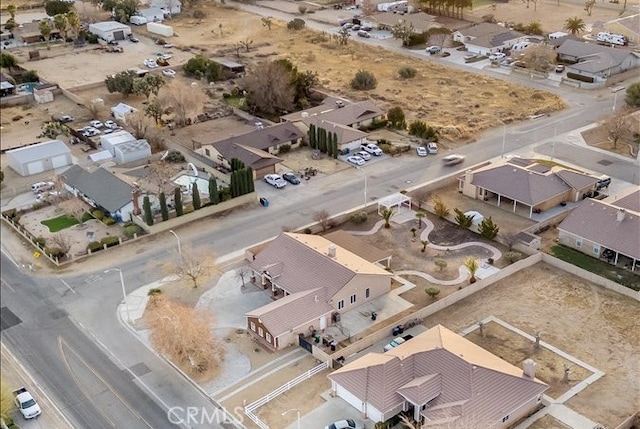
x,y
486,38
170,7
110,30
311,279
101,190
40,157
6,87
442,380
152,14
607,229
629,26
596,61
328,104
348,138
524,182
121,110
420,21
352,115
257,149
29,32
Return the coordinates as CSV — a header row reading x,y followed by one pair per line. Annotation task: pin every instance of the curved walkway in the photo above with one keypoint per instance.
x,y
372,231
463,274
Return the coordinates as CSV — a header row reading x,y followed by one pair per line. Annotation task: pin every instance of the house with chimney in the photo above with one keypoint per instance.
x,y
607,229
312,281
441,380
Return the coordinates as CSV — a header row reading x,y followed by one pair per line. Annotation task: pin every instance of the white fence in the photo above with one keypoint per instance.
x,y
249,409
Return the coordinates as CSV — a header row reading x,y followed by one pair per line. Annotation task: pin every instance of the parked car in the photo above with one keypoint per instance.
x,y
27,405
347,25
133,38
363,33
355,27
372,148
91,132
150,63
366,27
275,180
497,56
42,186
470,57
163,55
452,160
47,196
432,148
291,178
168,45
346,424
110,124
421,151
65,119
397,341
603,183
356,160
433,50
559,68
364,155
96,124
169,73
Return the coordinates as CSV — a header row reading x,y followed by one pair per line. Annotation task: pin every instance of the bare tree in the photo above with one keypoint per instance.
x,y
63,242
139,123
322,217
618,126
160,173
342,38
588,6
421,196
246,44
185,100
438,39
191,267
242,273
267,21
269,88
539,57
368,7
76,208
184,334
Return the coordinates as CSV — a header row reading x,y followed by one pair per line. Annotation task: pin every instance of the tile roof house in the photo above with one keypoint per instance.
x,y
257,149
443,380
311,278
535,186
596,61
607,229
102,190
486,38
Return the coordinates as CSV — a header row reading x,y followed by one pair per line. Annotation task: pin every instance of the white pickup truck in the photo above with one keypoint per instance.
x,y
371,148
26,404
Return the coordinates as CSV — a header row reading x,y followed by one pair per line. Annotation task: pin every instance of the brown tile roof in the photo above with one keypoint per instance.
x,y
629,202
303,264
576,180
352,113
355,245
474,382
293,311
596,221
519,184
344,133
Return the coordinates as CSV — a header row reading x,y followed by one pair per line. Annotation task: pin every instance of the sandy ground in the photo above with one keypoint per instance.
x,y
595,325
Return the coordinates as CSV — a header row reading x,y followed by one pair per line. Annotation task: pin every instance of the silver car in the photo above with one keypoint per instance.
x,y
346,424
275,180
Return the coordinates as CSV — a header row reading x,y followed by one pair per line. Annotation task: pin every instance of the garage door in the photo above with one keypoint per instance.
x,y
260,173
59,161
118,35
35,167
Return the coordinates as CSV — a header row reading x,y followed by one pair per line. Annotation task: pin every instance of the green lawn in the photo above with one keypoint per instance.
x,y
597,266
59,223
238,102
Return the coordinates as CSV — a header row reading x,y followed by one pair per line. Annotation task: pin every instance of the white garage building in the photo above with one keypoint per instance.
x,y
40,157
110,30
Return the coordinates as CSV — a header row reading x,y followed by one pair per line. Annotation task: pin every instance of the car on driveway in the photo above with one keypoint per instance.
x,y
275,180
497,56
372,149
96,124
356,160
452,160
163,55
433,50
364,155
150,63
133,38
169,73
90,132
363,33
110,124
432,148
421,151
65,119
560,68
346,424
291,178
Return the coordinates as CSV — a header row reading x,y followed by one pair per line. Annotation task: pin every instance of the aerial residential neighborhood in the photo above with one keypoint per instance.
x,y
331,214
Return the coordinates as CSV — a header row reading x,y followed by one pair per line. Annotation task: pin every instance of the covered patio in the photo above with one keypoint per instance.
x,y
398,202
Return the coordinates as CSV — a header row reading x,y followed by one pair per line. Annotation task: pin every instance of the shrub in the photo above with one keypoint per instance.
x,y
302,9
131,230
440,209
358,217
108,221
296,24
98,214
40,241
488,228
512,256
364,80
432,291
307,231
422,130
462,219
417,39
188,209
92,39
174,156
407,72
441,264
285,148
94,246
28,76
110,240
154,291
54,252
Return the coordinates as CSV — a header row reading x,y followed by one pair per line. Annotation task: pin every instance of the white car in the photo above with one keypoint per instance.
x,y
42,186
150,63
47,196
452,159
110,124
91,132
96,124
163,55
372,149
346,424
432,148
275,180
497,56
421,151
364,155
356,160
169,73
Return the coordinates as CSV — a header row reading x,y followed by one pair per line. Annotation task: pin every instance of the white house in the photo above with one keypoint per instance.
x,y
152,14
39,157
110,30
486,38
170,7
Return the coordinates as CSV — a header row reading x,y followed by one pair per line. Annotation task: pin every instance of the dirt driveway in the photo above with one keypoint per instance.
x,y
593,324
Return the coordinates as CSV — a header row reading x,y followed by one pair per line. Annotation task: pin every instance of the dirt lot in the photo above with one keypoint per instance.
x,y
595,325
599,137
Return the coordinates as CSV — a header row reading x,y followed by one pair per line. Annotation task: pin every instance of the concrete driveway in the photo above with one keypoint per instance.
x,y
332,410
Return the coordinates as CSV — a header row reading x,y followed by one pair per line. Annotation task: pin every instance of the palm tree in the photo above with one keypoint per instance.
x,y
472,265
73,20
575,25
419,216
60,23
534,27
386,214
45,30
12,11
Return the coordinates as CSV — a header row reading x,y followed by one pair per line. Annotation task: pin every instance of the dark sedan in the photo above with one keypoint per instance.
x,y
291,178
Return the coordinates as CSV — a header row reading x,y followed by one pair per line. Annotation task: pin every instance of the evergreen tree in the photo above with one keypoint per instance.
x,y
323,140
195,196
177,199
335,145
242,186
214,196
146,206
234,184
312,136
252,187
163,207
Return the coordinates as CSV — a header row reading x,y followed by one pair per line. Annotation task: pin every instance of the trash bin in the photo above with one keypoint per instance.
x,y
374,315
397,331
264,202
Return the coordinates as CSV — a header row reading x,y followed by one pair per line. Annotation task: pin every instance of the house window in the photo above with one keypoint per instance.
x,y
596,250
505,418
253,327
268,337
578,242
260,332
207,152
367,293
353,299
341,304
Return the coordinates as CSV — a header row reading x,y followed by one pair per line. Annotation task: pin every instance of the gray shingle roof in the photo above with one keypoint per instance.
x,y
39,151
576,180
630,202
264,138
597,222
352,113
592,58
101,186
344,133
489,35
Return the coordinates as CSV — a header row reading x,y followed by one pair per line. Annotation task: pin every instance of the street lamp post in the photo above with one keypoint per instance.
x,y
504,139
297,411
365,186
124,292
179,248
615,91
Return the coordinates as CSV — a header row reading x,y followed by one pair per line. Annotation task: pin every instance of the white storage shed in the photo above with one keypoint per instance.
x,y
122,110
132,151
110,141
39,157
110,30
161,29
